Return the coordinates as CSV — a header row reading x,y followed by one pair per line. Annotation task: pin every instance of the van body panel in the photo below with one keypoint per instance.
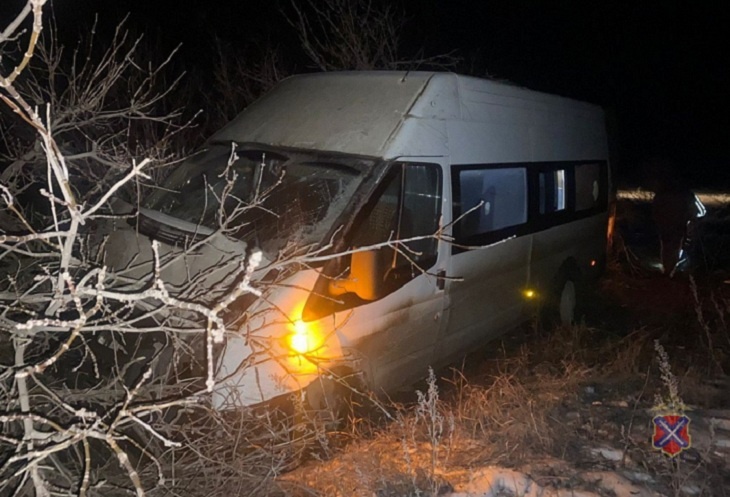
x,y
262,347
243,382
488,143
511,135
486,295
351,112
439,100
516,203
419,138
206,263
394,336
583,241
397,335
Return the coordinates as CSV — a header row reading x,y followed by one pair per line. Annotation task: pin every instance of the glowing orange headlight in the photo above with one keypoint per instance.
x,y
301,340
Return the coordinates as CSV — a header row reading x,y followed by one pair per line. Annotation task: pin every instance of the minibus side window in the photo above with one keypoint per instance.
x,y
502,193
587,186
407,205
421,213
552,191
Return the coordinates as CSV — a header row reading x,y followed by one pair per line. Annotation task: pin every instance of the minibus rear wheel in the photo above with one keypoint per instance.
x,y
568,303
565,302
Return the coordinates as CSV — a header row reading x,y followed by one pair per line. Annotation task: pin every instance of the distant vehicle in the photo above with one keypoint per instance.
x,y
514,183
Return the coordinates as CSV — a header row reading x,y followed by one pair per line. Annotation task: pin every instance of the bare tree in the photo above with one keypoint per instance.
x,y
356,35
334,34
104,369
242,78
109,106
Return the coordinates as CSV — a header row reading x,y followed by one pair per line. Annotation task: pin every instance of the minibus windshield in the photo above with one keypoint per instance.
x,y
272,199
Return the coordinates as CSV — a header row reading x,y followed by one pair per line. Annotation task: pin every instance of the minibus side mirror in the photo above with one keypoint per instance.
x,y
366,276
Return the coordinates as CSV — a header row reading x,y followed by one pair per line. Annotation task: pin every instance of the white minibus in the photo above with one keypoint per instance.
x,y
403,218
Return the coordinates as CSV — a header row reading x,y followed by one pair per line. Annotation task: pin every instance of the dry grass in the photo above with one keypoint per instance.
x,y
554,404
507,418
541,406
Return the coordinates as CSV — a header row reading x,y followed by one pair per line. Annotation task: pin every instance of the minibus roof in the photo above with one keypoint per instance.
x,y
361,112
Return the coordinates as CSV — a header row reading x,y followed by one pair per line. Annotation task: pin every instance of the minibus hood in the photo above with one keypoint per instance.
x,y
196,263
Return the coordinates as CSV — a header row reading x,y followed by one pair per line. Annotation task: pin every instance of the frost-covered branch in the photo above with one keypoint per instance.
x,y
92,362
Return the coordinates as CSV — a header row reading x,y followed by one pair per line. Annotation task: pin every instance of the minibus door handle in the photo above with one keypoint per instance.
x,y
441,279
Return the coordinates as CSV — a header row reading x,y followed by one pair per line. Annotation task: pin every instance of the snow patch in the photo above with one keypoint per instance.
x,y
502,482
639,477
722,442
608,453
620,486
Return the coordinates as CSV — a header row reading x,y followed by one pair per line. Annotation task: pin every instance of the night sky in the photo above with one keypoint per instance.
x,y
660,68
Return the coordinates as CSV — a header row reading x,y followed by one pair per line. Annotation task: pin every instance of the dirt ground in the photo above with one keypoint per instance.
x,y
561,412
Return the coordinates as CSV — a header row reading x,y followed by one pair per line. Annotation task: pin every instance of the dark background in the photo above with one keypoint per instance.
x,y
659,68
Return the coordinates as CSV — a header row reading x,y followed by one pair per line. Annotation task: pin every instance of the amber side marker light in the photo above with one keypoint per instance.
x,y
529,293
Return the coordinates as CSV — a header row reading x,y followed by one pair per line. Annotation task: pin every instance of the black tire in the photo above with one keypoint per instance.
x,y
565,303
322,415
327,400
568,303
